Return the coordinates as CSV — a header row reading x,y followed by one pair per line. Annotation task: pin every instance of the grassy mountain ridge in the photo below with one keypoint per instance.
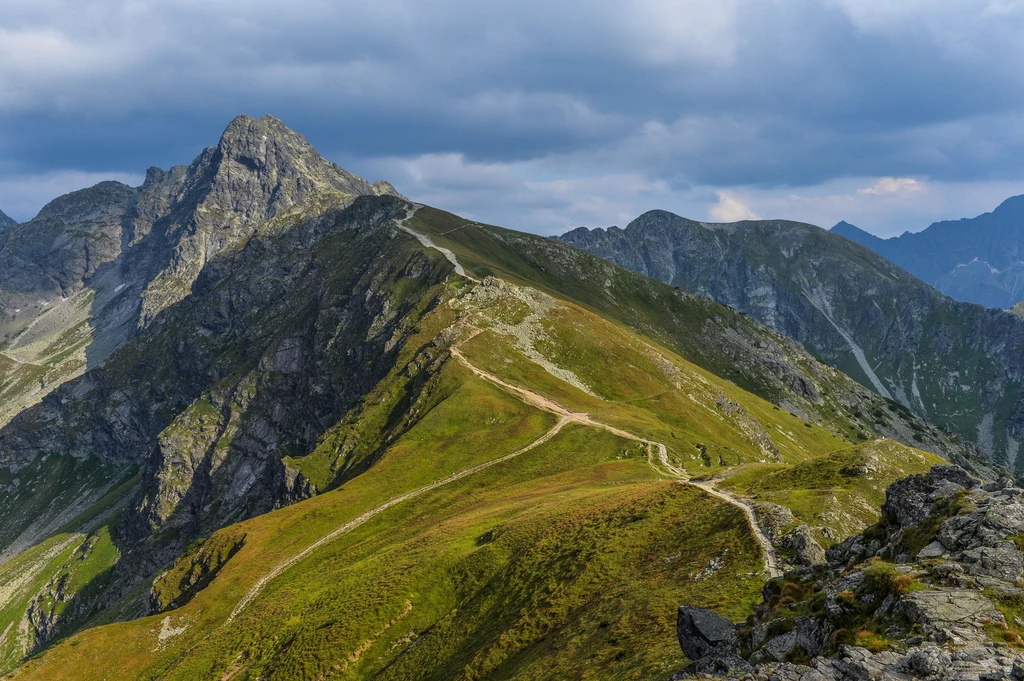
x,y
579,545
327,453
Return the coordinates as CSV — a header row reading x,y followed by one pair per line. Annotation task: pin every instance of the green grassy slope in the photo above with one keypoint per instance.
x,y
956,364
712,336
565,561
573,545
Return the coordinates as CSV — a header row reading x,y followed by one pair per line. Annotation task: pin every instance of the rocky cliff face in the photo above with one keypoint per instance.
x,y
274,344
931,592
952,363
95,266
977,260
260,170
278,342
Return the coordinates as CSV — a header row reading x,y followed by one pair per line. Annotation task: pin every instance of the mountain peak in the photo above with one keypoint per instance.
x,y
263,158
97,198
253,141
1012,205
259,170
856,234
385,188
6,221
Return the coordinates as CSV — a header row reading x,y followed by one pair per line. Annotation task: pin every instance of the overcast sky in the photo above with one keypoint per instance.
x,y
541,115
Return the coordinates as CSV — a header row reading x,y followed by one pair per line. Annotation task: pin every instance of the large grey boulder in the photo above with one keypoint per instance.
x,y
957,615
710,641
801,541
702,632
910,501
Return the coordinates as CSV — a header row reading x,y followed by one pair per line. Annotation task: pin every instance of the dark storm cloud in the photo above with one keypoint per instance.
x,y
675,95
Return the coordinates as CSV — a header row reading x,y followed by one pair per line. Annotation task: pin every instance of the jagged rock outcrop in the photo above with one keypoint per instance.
x,y
801,542
260,170
710,641
952,363
931,592
52,256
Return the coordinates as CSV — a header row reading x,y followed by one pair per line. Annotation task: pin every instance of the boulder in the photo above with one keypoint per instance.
x,y
773,520
702,633
727,664
797,672
910,500
933,550
802,542
957,615
927,661
1003,561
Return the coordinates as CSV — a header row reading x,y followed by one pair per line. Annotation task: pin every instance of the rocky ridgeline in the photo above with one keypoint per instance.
x,y
952,363
933,591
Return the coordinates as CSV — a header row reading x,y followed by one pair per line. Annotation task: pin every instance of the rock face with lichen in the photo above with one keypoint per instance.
x,y
931,592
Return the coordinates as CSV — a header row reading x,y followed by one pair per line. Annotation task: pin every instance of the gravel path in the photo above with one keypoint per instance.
x,y
771,562
428,243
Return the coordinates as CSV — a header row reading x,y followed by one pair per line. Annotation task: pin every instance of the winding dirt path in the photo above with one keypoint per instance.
x,y
377,510
771,559
657,458
654,449
427,242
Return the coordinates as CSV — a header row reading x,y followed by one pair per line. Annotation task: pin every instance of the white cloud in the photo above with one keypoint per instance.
x,y
542,114
883,214
731,208
534,197
673,31
893,186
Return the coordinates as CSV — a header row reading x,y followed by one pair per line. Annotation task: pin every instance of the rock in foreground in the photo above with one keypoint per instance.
x,y
933,592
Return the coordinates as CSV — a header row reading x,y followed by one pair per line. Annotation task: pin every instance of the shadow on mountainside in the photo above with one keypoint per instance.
x,y
276,342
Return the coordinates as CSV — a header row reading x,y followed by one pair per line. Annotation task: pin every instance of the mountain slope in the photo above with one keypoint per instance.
x,y
6,221
953,363
351,436
525,524
978,260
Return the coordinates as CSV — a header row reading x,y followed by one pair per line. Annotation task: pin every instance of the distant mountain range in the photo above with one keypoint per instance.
x,y
954,363
977,260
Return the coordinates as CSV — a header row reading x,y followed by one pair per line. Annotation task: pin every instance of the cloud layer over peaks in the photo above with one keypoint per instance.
x,y
541,114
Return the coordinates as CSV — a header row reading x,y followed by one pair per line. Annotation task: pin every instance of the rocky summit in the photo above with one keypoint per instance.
x,y
933,591
97,265
6,221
